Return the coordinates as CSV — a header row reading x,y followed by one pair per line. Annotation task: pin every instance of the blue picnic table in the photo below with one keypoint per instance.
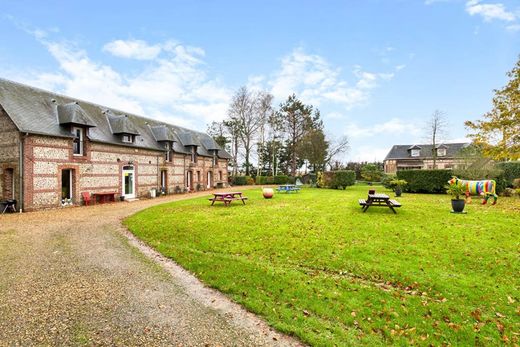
x,y
288,188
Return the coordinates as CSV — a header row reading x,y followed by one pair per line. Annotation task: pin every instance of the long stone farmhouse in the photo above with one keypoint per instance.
x,y
54,149
415,157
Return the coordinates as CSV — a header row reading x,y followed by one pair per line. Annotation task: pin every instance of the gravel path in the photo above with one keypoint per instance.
x,y
74,276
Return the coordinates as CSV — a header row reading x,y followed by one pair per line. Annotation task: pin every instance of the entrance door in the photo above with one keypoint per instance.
x,y
164,174
66,184
210,179
128,182
189,179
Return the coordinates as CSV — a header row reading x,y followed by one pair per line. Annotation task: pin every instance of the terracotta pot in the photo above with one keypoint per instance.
x,y
268,193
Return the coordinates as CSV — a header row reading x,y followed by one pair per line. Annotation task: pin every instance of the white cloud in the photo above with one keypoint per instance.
x,y
135,49
394,126
513,27
368,153
489,12
173,86
316,81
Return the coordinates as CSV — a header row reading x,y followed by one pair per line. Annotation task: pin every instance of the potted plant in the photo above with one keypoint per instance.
x,y
456,191
397,186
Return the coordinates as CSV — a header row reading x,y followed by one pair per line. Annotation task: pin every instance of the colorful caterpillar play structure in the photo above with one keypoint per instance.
x,y
484,188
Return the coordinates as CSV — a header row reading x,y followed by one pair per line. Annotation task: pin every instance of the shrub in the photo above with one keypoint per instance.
x,y
239,180
343,179
455,190
511,170
425,181
371,173
386,179
250,181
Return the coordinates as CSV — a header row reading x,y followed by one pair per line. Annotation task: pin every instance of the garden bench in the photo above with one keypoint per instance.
x,y
227,198
395,203
378,200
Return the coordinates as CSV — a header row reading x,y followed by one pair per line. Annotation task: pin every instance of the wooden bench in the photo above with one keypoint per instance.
x,y
362,202
227,198
395,203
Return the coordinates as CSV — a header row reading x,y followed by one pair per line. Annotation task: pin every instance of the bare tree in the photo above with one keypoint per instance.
x,y
436,128
264,109
233,130
217,130
243,112
337,146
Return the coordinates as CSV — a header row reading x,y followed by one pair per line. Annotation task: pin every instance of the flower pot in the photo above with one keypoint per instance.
x,y
122,198
457,205
398,191
268,193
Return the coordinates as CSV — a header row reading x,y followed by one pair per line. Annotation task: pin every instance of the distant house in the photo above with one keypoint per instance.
x,y
54,148
410,157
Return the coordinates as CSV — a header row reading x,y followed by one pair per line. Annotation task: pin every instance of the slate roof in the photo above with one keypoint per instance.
x,y
403,151
36,111
72,113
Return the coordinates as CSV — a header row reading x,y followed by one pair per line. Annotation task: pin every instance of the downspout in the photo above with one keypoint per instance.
x,y
20,172
185,173
159,176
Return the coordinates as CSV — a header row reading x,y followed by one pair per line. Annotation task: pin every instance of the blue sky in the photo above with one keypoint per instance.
x,y
376,69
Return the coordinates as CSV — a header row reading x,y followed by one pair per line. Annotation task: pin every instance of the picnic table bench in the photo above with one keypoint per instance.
x,y
378,200
227,197
288,188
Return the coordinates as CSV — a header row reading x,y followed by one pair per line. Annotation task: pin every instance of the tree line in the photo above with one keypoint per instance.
x,y
265,140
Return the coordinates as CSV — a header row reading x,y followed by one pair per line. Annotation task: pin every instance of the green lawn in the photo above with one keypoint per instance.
x,y
313,265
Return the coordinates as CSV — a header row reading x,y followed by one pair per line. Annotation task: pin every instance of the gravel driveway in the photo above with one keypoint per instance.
x,y
74,276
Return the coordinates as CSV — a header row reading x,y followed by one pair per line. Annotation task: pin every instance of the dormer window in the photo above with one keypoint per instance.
x,y
441,152
127,138
77,143
416,152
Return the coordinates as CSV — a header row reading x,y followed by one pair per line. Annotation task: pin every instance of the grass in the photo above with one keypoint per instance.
x,y
314,266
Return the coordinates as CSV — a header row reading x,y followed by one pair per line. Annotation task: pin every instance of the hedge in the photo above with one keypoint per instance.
x,y
425,181
279,179
240,180
511,171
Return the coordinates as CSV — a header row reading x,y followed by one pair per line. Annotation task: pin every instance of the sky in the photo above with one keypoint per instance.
x,y
376,69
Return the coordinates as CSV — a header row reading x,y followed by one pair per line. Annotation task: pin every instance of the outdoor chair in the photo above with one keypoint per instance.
x,y
10,205
86,198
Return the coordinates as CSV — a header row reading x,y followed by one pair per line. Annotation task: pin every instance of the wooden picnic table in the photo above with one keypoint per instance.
x,y
378,200
288,188
227,197
104,197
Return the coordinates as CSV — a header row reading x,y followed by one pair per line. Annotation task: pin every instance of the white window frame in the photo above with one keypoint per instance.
x,y
441,152
416,152
127,138
81,140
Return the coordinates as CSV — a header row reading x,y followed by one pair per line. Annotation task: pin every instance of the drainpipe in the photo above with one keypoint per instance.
x,y
185,173
20,171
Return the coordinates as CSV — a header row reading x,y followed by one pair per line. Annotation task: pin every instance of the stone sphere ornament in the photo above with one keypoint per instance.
x,y
268,193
